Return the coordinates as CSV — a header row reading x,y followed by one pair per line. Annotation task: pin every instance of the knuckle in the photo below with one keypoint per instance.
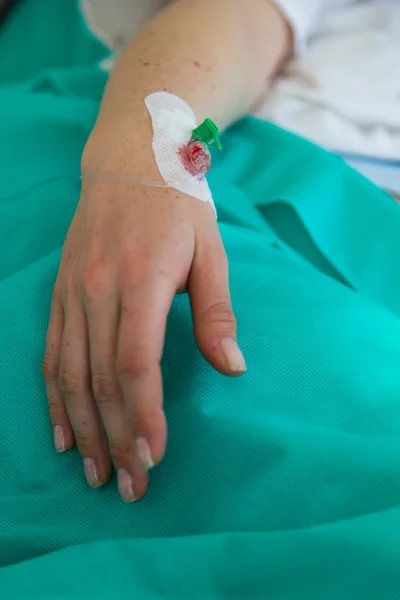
x,y
95,278
219,313
132,365
56,409
136,267
71,381
104,388
85,443
50,366
121,452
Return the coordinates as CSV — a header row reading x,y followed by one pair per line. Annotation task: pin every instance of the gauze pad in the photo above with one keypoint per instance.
x,y
173,122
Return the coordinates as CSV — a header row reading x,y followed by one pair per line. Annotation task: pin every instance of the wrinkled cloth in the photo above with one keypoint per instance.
x,y
283,484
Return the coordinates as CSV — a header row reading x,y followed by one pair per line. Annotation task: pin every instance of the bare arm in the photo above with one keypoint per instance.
x,y
218,55
131,248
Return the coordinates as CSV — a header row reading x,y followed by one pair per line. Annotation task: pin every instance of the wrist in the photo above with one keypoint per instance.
x,y
122,145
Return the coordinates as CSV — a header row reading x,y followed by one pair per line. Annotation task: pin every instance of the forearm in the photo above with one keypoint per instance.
x,y
216,54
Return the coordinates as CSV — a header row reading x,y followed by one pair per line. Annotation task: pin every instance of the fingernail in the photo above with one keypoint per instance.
x,y
144,453
92,475
59,438
125,486
233,356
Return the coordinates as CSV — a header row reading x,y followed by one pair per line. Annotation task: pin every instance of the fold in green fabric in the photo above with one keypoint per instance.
x,y
281,485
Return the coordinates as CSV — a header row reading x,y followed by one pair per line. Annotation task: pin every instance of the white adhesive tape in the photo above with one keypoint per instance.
x,y
173,121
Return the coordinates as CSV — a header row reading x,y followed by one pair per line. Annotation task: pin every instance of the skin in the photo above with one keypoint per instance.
x,y
131,248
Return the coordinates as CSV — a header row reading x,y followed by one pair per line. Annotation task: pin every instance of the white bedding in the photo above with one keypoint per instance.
x,y
343,89
343,92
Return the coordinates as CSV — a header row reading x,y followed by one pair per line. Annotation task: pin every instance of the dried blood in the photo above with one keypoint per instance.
x,y
195,157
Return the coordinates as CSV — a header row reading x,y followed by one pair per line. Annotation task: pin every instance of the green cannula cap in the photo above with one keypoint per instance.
x,y
208,133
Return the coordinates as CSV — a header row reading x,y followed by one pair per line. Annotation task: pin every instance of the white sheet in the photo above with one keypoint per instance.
x,y
344,91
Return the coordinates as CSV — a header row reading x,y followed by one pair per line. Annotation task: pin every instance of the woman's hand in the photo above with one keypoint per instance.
x,y
129,250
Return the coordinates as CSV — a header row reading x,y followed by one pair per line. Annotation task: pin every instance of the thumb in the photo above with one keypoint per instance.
x,y
213,318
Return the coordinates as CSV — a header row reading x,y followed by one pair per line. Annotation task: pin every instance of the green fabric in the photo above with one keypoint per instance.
x,y
281,485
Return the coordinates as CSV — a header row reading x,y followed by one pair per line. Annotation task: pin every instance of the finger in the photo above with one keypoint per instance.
x,y
103,311
62,430
74,384
140,343
213,318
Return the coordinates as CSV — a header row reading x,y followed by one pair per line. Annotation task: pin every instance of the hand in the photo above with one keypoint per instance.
x,y
129,250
